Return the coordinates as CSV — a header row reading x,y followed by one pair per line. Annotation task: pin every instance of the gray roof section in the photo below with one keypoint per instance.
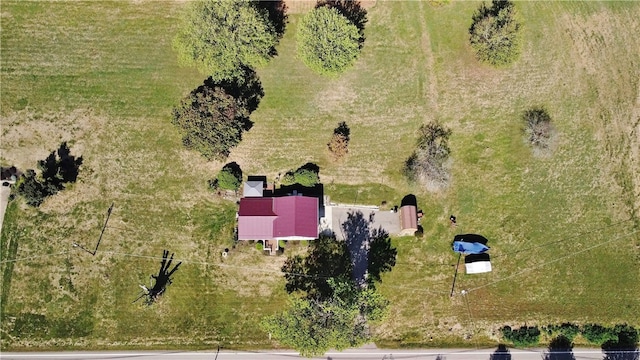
x,y
253,189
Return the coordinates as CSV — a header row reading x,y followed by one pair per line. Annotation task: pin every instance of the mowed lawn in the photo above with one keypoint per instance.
x,y
563,228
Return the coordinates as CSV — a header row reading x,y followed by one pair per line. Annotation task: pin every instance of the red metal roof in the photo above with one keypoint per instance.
x,y
256,207
279,217
297,217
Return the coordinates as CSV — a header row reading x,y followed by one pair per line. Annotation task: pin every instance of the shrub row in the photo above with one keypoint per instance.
x,y
621,335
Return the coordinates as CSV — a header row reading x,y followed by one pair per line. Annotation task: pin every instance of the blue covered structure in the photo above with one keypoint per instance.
x,y
469,248
470,244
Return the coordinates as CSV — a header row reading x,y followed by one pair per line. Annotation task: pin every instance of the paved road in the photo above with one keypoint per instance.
x,y
5,191
360,354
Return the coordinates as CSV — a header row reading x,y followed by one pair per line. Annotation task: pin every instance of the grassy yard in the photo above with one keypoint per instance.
x,y
105,78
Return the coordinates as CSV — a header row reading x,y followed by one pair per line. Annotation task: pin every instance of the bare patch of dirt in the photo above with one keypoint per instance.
x,y
28,137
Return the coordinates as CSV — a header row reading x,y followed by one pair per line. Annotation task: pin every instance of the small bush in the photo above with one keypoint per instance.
x,y
306,175
526,336
597,334
230,177
282,244
538,128
338,146
33,191
339,143
307,178
495,33
259,246
427,164
57,170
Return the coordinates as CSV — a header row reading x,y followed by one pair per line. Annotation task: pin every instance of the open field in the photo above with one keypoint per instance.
x,y
104,77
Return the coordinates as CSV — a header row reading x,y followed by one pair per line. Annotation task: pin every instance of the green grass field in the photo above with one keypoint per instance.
x,y
104,77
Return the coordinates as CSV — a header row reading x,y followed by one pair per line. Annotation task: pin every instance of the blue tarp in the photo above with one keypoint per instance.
x,y
469,248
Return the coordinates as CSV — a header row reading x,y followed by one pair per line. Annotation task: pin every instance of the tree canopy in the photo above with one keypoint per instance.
x,y
314,326
219,37
495,33
214,115
328,42
327,258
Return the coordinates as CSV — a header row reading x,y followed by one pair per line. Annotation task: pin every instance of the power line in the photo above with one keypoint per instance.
x,y
563,239
553,261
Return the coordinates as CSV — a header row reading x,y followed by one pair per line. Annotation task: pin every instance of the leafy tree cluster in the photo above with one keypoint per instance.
x,y
427,164
538,128
229,177
57,170
214,115
225,39
568,330
314,326
495,33
328,41
220,37
598,334
526,336
305,175
614,340
333,312
339,143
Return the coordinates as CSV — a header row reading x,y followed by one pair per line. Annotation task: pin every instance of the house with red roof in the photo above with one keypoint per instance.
x,y
272,218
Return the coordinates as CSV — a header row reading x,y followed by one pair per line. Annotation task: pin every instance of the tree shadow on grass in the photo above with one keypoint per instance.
x,y
328,258
343,130
277,10
357,235
370,249
625,347
351,9
560,348
501,353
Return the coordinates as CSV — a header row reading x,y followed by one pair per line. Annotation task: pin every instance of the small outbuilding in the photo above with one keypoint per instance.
x,y
408,215
408,220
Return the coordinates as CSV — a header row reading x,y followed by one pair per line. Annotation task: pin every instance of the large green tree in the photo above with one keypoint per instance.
x,y
328,42
214,116
495,33
313,326
219,37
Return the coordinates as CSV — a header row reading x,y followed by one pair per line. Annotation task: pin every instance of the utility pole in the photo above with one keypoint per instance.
x,y
104,227
455,275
